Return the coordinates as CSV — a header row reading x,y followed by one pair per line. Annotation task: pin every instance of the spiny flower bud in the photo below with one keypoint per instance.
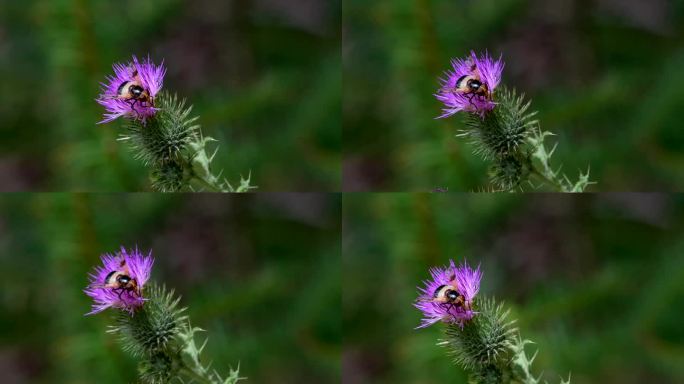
x,y
151,329
167,136
158,368
508,172
483,342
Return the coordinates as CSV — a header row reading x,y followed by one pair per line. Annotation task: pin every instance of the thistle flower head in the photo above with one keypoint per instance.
x,y
461,282
470,85
119,281
131,90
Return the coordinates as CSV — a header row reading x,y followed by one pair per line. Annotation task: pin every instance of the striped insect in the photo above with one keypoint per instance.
x,y
471,85
133,92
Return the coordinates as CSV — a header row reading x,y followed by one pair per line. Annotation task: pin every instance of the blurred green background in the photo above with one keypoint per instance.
x,y
259,272
606,76
596,281
263,75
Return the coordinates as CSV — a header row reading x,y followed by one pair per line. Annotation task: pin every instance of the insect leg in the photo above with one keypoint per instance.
x,y
133,105
118,292
470,99
447,306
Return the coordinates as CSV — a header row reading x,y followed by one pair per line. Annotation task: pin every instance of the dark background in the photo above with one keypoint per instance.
x,y
263,75
605,75
260,273
597,282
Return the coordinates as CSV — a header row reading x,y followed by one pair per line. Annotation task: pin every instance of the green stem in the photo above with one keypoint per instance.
x,y
206,181
199,166
548,180
210,186
194,375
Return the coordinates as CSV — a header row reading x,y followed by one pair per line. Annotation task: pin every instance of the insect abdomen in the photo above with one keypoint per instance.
x,y
109,277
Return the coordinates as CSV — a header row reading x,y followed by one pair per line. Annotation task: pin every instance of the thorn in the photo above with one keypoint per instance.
x,y
559,170
553,150
534,356
211,158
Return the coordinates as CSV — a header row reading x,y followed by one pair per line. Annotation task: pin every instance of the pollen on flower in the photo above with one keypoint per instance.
x,y
130,92
448,295
469,86
119,281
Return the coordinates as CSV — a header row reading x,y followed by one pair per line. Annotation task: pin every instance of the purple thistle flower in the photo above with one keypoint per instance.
x,y
126,264
484,69
146,79
463,279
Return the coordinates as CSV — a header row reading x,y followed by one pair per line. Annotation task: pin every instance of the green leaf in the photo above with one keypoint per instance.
x,y
191,355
